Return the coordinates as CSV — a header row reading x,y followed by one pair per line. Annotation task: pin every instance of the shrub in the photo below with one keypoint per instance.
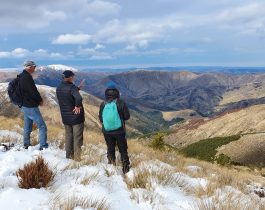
x,y
206,148
158,142
35,174
223,159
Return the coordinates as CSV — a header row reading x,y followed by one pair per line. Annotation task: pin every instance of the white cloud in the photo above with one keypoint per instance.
x,y
99,47
244,13
101,57
94,54
100,8
130,47
41,51
246,18
16,53
4,54
138,32
72,39
39,54
19,52
56,55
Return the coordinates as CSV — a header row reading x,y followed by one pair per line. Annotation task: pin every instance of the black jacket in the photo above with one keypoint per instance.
x,y
68,97
110,95
31,96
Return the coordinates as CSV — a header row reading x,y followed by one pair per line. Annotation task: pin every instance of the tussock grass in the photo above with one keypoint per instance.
x,y
109,171
90,156
35,174
150,197
229,201
9,123
89,178
145,176
70,203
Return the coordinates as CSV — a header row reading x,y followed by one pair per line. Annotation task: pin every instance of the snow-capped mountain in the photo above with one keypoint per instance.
x,y
57,67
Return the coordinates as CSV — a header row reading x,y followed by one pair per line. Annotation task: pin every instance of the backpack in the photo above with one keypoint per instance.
x,y
14,92
111,117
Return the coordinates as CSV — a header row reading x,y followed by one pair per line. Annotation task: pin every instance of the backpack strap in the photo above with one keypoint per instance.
x,y
20,91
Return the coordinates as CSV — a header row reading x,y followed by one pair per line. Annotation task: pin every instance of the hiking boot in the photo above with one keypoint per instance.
x,y
125,169
26,146
41,148
111,161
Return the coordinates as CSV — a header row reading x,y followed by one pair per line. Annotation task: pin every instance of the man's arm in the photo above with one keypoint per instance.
x,y
30,89
124,111
78,100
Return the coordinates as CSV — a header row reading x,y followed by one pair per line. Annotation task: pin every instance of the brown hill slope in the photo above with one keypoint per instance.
x,y
249,120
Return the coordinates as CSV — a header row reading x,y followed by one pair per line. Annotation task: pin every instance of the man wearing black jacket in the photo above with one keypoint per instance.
x,y
72,112
117,136
31,101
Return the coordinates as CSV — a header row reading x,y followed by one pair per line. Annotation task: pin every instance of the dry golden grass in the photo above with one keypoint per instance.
x,y
60,203
248,91
89,178
145,176
186,114
249,120
230,201
91,155
9,123
249,150
109,171
148,196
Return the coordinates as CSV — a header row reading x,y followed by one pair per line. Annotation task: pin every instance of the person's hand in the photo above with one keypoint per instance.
x,y
77,110
82,83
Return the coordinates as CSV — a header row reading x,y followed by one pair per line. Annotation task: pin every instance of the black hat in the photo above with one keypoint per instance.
x,y
68,73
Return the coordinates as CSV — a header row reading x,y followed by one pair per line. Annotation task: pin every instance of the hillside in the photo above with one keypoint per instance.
x,y
157,180
169,91
136,125
249,120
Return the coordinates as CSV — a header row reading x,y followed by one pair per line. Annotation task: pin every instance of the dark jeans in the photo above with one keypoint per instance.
x,y
74,140
120,140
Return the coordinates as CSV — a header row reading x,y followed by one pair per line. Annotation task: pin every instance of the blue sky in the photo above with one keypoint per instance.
x,y
125,33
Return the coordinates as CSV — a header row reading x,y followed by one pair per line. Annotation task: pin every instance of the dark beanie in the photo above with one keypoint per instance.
x,y
68,73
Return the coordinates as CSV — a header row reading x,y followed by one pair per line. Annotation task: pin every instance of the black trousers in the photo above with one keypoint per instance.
x,y
120,140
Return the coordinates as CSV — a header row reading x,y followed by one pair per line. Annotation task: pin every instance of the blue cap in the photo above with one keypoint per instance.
x,y
111,85
68,73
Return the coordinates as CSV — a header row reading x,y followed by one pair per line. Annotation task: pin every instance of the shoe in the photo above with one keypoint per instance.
x,y
111,161
26,146
41,148
125,169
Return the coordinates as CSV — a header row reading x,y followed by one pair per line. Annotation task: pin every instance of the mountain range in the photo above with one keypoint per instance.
x,y
209,104
151,93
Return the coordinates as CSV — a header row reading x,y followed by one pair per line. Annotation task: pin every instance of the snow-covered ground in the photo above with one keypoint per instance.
x,y
93,182
110,186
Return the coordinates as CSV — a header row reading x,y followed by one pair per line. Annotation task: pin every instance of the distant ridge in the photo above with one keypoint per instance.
x,y
57,67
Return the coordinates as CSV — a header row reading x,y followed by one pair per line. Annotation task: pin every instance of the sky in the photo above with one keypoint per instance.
x,y
132,33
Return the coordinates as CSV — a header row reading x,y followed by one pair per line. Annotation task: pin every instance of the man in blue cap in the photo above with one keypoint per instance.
x,y
30,103
72,112
113,113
